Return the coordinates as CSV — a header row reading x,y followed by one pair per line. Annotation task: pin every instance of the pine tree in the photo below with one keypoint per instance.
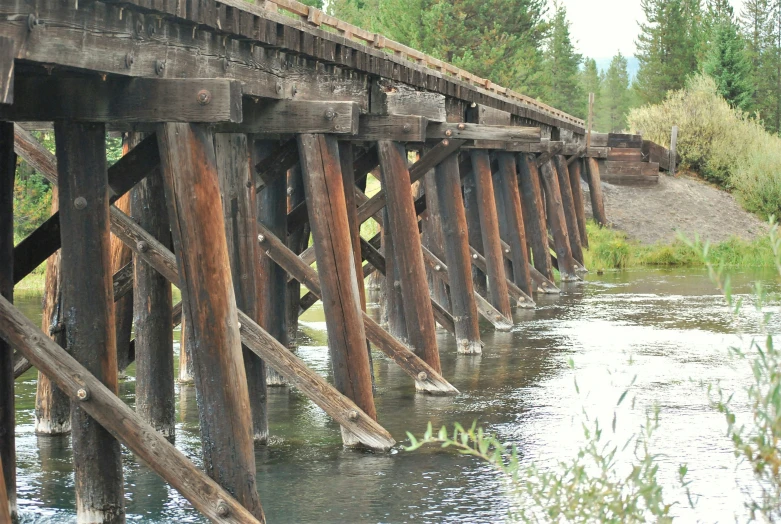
x,y
590,82
562,67
615,99
669,46
761,23
727,61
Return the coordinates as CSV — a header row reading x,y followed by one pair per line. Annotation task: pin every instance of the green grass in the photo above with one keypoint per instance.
x,y
611,249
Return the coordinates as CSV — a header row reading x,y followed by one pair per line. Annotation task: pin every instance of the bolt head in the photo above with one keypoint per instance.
x,y
422,376
353,415
330,114
448,133
222,509
507,251
80,203
437,268
289,191
446,142
261,238
406,128
142,246
248,184
461,127
82,394
204,96
474,256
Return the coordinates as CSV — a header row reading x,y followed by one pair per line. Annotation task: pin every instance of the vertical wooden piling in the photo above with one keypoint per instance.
x,y
7,407
52,406
121,255
577,197
432,237
152,305
237,186
297,241
568,205
394,302
325,200
595,190
403,223
185,357
89,310
558,224
516,227
489,226
534,214
195,214
504,228
473,228
447,185
272,213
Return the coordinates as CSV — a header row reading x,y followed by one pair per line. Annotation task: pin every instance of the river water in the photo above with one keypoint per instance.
x,y
668,331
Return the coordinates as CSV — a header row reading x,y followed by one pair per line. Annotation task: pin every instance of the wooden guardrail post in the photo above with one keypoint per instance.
x,y
403,224
507,176
489,227
7,404
568,205
447,184
193,196
239,213
89,310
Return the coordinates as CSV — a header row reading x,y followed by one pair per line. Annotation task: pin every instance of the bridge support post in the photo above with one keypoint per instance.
x,y
89,307
403,224
186,371
473,227
595,191
237,186
7,404
193,197
447,187
516,228
52,406
324,187
499,295
272,213
394,303
575,170
297,241
534,214
433,239
152,304
558,223
568,203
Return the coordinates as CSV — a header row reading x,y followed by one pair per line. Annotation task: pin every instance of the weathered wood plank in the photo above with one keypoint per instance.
x,y
89,310
192,192
7,69
577,197
630,168
558,223
534,214
391,98
568,205
122,99
410,128
483,132
289,116
113,414
507,176
595,191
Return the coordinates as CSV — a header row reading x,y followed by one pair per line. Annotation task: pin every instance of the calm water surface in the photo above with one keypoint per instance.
x,y
669,329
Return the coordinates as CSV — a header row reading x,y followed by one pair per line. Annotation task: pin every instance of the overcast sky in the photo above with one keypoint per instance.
x,y
603,27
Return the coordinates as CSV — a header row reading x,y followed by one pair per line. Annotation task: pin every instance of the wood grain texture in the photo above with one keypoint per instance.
x,y
113,414
325,198
195,213
534,214
411,364
483,132
521,299
403,223
489,227
558,223
455,245
89,310
595,190
239,213
7,404
292,116
473,226
568,205
297,241
507,176
575,170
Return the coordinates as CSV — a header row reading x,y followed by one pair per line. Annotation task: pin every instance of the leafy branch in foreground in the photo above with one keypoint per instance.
x,y
758,442
588,488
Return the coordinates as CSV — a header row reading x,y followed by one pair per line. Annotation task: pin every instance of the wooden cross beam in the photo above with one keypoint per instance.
x,y
121,100
41,243
339,407
272,117
426,378
483,132
522,299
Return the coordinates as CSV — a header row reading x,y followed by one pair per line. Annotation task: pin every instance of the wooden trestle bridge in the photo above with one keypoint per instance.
x,y
249,127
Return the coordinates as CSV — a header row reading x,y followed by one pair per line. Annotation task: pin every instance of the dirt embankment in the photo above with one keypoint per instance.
x,y
655,214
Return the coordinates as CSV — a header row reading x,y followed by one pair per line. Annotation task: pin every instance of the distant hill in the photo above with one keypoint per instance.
x,y
632,65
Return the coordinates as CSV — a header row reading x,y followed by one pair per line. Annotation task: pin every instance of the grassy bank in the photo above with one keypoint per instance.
x,y
611,249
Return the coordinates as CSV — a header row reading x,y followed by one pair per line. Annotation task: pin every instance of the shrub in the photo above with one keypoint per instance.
x,y
724,145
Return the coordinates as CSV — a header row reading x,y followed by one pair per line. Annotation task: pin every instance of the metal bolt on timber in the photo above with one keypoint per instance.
x,y
261,238
407,128
80,203
330,114
422,376
142,246
222,509
82,394
460,127
352,415
204,97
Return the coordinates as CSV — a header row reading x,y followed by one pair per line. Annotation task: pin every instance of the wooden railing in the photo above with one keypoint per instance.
x,y
318,18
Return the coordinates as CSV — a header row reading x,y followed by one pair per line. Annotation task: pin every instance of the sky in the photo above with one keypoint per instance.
x,y
603,27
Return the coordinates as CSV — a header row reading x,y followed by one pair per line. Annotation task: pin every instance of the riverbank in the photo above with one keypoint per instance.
x,y
613,249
